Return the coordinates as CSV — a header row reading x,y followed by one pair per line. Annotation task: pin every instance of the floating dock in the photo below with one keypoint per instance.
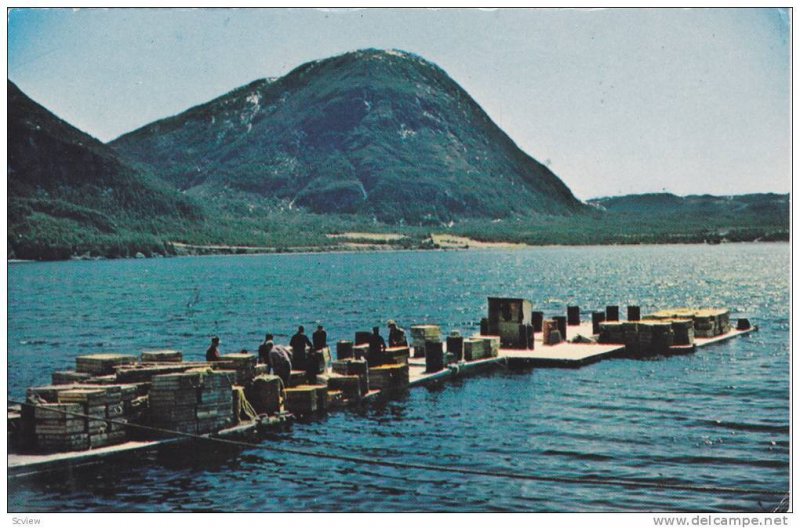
x,y
23,465
565,354
562,355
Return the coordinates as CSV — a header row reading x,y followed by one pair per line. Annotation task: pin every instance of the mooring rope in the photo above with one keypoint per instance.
x,y
592,481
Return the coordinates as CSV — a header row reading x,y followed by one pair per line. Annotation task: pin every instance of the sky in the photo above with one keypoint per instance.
x,y
614,101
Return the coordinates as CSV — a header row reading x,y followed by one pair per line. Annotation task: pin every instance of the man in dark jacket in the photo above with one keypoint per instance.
x,y
299,343
320,338
397,336
377,346
212,354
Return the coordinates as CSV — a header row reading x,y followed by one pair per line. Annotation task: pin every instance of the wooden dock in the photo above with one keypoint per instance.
x,y
563,355
21,465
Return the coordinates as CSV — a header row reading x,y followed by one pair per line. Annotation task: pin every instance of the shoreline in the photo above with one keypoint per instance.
x,y
377,248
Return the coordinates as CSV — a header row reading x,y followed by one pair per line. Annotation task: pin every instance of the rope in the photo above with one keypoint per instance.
x,y
244,404
451,469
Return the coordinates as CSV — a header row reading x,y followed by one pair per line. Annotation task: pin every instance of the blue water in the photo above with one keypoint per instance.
x,y
719,417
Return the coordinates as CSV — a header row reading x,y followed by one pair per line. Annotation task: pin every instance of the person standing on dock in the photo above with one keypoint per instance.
x,y
320,338
263,349
212,354
280,361
299,343
377,346
397,336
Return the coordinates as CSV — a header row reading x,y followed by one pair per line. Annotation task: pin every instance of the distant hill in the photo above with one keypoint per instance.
x,y
764,208
381,134
68,192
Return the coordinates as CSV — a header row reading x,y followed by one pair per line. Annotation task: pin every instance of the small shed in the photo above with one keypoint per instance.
x,y
508,318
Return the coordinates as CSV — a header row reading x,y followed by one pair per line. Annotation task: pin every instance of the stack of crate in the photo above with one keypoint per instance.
x,y
663,336
396,355
99,405
145,373
215,402
473,349
634,342
302,400
349,386
491,345
162,356
102,364
192,402
173,401
707,322
389,379
710,323
683,330
353,367
422,333
611,332
265,394
58,428
243,363
297,377
67,377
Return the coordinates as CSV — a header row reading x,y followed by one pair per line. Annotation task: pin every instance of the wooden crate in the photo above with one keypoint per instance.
x,y
66,377
264,394
397,355
389,378
473,349
102,364
350,386
162,356
301,400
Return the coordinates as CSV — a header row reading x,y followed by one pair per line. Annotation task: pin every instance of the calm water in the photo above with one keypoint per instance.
x,y
719,417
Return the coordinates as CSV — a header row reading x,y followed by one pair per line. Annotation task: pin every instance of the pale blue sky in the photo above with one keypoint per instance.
x,y
615,101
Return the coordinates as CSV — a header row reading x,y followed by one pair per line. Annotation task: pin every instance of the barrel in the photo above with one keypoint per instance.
x,y
561,321
612,313
573,315
434,356
344,349
526,336
634,313
743,324
455,346
597,318
363,337
536,321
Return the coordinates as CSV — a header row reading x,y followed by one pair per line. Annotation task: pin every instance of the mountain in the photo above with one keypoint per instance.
x,y
381,134
68,192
